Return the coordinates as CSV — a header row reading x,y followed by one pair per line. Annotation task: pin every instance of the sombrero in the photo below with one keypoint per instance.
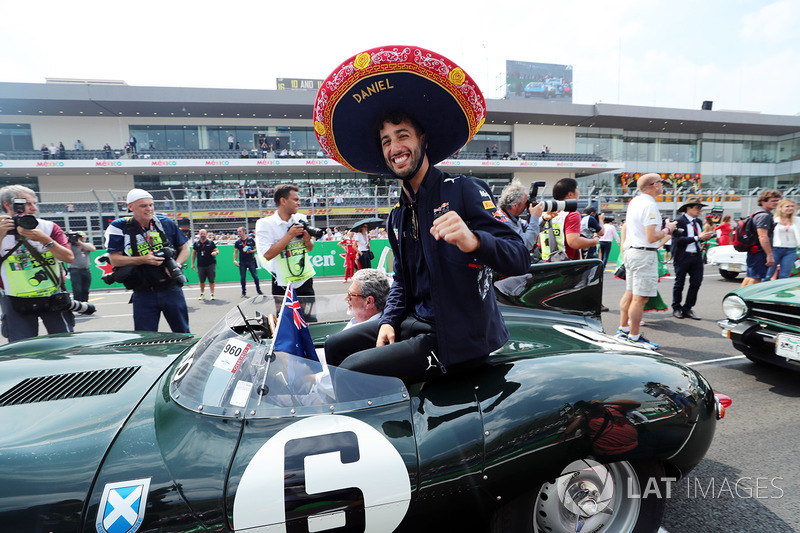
x,y
429,87
692,200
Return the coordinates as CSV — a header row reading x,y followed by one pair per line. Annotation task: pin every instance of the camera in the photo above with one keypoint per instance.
x,y
588,233
550,205
314,232
677,232
73,236
21,220
174,269
610,218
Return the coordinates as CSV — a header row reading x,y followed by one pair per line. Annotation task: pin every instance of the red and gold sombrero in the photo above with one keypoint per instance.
x,y
431,88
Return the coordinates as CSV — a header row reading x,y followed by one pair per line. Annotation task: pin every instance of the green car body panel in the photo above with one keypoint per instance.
x,y
459,446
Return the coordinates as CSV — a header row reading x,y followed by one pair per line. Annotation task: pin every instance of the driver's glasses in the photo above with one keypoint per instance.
x,y
350,295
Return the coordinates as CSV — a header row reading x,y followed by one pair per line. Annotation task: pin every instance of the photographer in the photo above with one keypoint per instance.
x,y
80,270
514,201
566,225
283,239
31,250
204,254
148,251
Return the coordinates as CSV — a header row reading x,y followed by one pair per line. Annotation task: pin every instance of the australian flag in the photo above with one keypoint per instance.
x,y
292,334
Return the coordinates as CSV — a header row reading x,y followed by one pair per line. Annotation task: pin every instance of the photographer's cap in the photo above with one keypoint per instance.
x,y
138,194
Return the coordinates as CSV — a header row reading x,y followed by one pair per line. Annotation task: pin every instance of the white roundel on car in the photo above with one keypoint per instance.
x,y
353,455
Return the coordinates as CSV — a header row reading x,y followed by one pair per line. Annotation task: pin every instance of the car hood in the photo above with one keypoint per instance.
x,y
782,291
63,399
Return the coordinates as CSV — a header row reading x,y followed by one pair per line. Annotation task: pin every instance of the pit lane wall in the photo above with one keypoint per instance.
x,y
327,258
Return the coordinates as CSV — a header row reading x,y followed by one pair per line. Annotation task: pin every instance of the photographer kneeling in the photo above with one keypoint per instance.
x,y
148,251
31,251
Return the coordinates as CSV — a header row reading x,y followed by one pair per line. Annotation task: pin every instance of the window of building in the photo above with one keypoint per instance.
x,y
15,137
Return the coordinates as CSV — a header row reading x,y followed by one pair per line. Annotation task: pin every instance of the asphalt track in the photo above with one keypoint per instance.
x,y
750,479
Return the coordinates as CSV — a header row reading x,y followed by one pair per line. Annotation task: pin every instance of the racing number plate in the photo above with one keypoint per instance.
x,y
788,346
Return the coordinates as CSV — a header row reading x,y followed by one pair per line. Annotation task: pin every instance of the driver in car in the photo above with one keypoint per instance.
x,y
446,233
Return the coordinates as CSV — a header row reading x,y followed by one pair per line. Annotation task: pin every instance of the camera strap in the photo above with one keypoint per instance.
x,y
11,251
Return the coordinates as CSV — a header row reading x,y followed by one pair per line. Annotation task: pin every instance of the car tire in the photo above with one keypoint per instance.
x,y
727,274
636,491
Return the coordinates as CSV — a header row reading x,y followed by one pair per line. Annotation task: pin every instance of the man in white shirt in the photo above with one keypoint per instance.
x,y
642,234
282,245
366,296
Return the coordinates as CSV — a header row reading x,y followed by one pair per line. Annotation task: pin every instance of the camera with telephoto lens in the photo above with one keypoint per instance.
x,y
21,220
73,236
609,218
314,232
84,308
549,206
174,269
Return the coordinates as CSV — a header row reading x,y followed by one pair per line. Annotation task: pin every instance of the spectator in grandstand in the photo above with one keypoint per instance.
x,y
264,149
127,148
277,143
366,296
132,142
62,151
204,252
21,268
298,153
107,150
231,140
53,151
494,151
45,152
245,154
134,242
78,145
291,153
320,153
282,240
284,153
80,273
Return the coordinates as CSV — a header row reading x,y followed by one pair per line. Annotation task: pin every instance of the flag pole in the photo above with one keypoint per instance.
x,y
274,336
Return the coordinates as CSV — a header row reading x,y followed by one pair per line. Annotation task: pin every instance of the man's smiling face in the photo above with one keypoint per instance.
x,y
402,148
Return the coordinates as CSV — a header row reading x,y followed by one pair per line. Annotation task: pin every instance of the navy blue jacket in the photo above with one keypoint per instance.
x,y
469,325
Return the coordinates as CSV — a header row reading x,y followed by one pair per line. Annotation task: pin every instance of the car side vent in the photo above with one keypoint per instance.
x,y
150,343
64,386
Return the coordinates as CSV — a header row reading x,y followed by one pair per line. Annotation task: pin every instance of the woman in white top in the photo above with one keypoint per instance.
x,y
785,240
362,240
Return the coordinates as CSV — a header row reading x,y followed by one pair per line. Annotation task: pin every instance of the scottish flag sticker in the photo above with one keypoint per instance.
x,y
122,506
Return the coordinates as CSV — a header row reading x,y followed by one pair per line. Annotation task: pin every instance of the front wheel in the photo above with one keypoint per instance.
x,y
623,497
727,274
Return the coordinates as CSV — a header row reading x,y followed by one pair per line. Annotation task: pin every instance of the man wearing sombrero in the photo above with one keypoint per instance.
x,y
687,257
400,110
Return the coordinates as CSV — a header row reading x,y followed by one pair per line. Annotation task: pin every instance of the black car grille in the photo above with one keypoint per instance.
x,y
64,386
150,343
788,315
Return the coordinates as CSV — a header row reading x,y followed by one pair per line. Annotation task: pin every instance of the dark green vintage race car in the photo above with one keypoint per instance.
x,y
763,322
565,429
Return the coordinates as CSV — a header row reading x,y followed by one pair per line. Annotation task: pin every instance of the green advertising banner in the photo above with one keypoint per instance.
x,y
327,258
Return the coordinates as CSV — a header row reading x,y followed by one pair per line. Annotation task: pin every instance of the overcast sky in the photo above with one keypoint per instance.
x,y
741,55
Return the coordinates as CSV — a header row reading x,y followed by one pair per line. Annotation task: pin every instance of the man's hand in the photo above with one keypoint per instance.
x,y
150,259
6,225
536,210
192,266
452,228
601,218
296,230
385,335
236,263
671,225
34,235
706,235
770,260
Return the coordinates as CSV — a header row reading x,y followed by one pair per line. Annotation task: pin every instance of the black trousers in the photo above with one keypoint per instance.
x,y
413,357
305,294
693,266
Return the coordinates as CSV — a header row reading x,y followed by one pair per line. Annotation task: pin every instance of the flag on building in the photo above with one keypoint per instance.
x,y
292,334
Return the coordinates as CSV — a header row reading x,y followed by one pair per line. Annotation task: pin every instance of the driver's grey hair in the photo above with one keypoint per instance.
x,y
373,283
513,193
9,192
